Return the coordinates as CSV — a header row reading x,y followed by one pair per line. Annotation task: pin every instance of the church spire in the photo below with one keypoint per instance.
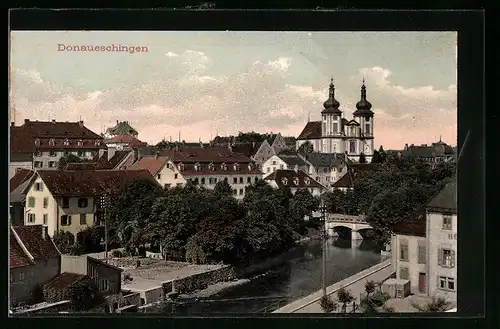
x,y
331,104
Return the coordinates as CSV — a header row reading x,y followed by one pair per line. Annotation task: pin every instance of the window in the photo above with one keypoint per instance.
x,y
403,250
446,283
367,128
274,162
83,203
38,164
235,180
241,191
317,178
38,186
421,253
447,222
66,142
284,181
249,180
335,127
38,153
52,153
31,218
31,202
66,220
235,192
81,153
66,153
196,181
241,180
256,179
21,276
268,169
52,164
404,273
83,219
45,219
65,202
446,257
296,181
352,146
325,170
176,175
281,166
104,285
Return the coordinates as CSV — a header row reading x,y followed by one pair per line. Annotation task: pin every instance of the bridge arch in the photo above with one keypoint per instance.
x,y
366,233
343,231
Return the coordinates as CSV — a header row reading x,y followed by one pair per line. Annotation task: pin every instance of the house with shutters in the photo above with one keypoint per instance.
x,y
34,260
44,143
69,200
441,231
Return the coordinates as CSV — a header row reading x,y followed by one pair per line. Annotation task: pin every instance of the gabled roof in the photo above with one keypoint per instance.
x,y
63,280
446,200
18,258
152,164
21,176
126,139
86,183
292,179
206,155
292,160
289,141
271,138
31,237
351,123
122,128
80,166
325,159
311,130
414,226
247,149
346,181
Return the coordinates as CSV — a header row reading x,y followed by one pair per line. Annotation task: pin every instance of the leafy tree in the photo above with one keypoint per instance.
x,y
302,204
436,305
327,304
369,287
382,154
70,158
306,147
222,188
344,297
90,239
362,158
376,157
64,241
335,201
250,137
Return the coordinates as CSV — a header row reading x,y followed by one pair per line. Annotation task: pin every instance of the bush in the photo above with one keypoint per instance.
x,y
194,253
327,304
90,239
64,241
117,254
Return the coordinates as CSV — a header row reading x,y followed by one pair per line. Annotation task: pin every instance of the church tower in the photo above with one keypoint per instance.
x,y
364,116
331,122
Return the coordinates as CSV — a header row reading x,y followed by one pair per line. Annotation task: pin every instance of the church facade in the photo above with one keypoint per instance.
x,y
336,134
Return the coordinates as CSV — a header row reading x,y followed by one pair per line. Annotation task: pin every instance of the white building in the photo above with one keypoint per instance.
x,y
295,180
442,227
326,168
284,161
336,134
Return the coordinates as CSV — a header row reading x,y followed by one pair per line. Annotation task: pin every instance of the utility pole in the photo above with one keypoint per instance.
x,y
323,216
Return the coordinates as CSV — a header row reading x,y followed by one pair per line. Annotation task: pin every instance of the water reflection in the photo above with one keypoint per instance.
x,y
299,274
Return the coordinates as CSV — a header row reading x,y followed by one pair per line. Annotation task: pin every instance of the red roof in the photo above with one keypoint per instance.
x,y
205,155
32,238
88,183
18,257
293,179
33,135
152,164
20,177
64,280
311,130
80,166
126,139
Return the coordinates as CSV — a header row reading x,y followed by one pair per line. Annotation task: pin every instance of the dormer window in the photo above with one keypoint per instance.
x,y
236,167
80,142
284,180
307,181
223,166
37,142
197,166
66,142
97,142
296,181
181,166
51,142
250,166
211,167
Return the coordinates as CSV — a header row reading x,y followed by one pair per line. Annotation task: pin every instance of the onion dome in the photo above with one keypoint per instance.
x,y
363,107
331,105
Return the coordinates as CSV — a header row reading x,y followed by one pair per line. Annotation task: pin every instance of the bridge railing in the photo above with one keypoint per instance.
x,y
347,218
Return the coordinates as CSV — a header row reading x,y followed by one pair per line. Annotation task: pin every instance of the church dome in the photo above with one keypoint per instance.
x,y
363,107
331,105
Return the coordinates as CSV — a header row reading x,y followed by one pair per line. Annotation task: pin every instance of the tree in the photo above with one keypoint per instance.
x,y
376,157
362,158
64,241
369,287
327,304
70,158
90,239
335,201
222,188
436,305
344,297
306,147
382,154
250,137
302,204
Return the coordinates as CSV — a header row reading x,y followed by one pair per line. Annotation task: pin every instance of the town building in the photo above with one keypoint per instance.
x,y
162,169
124,141
434,154
294,179
69,200
326,168
34,260
336,134
109,160
409,252
44,143
17,197
207,166
441,231
348,175
284,161
121,127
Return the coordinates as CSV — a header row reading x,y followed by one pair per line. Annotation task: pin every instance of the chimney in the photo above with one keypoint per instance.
x,y
12,124
26,120
80,123
296,168
117,122
53,121
45,232
253,144
406,146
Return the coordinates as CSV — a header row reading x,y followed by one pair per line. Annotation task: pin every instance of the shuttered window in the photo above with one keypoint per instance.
x,y
403,250
422,255
404,273
446,257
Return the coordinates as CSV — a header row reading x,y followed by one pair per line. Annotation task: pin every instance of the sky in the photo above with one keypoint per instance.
x,y
200,84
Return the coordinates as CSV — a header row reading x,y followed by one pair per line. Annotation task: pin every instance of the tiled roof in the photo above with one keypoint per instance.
x,y
19,194
363,166
347,180
189,169
33,135
126,139
18,257
80,166
325,159
271,138
292,160
115,160
446,200
152,164
205,155
429,151
122,128
415,226
247,149
20,177
290,141
63,280
88,183
32,238
311,130
292,179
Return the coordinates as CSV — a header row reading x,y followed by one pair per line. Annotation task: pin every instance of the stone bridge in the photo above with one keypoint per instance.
x,y
345,225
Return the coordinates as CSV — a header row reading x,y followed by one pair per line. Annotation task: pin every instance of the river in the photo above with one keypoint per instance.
x,y
297,276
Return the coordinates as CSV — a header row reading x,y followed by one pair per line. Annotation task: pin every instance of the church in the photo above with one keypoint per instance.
x,y
336,134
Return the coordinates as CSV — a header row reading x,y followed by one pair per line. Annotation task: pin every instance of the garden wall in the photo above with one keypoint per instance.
x,y
202,280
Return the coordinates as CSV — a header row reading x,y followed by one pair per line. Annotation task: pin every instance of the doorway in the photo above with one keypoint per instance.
x,y
421,283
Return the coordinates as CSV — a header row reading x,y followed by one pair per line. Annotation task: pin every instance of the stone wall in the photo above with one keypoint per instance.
x,y
203,280
48,308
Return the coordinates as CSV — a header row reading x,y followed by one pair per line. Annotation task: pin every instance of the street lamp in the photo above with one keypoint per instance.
x,y
323,217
